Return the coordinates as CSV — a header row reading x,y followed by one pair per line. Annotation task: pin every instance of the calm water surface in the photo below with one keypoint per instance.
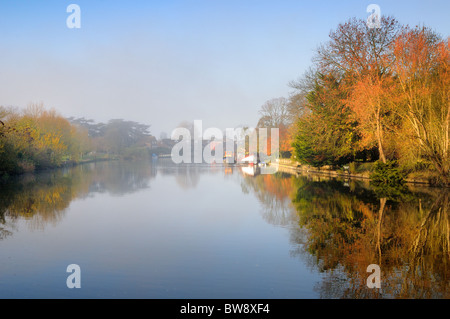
x,y
155,230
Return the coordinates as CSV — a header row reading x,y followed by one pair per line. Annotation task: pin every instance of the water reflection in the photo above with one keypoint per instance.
x,y
275,193
42,198
338,227
117,178
350,226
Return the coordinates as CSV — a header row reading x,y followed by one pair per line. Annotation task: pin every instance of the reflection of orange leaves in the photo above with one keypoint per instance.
x,y
281,188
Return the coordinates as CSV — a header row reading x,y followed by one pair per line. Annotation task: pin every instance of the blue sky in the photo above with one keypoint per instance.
x,y
162,62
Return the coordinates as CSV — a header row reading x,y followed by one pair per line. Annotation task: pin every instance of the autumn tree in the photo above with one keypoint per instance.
x,y
362,57
37,138
422,69
275,113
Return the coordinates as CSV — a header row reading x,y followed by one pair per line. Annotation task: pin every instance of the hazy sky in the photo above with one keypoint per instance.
x,y
162,62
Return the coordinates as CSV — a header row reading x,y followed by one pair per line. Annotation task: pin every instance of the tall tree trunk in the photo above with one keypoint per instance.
x,y
380,217
380,137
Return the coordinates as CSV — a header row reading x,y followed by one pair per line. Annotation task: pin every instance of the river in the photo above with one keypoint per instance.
x,y
160,231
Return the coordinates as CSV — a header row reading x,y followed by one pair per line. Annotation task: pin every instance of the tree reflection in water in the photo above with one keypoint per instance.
x,y
338,227
346,226
42,198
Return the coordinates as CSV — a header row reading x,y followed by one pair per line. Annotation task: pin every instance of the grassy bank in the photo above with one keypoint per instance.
x,y
67,163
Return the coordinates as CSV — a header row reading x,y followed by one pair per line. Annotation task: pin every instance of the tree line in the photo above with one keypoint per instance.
x,y
371,94
37,138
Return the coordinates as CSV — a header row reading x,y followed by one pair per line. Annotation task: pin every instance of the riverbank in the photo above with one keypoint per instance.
x,y
290,166
88,160
69,163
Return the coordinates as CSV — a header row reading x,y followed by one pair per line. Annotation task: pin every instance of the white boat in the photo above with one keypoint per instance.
x,y
251,159
249,170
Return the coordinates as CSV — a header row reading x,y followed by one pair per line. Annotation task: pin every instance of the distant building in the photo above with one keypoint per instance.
x,y
151,142
166,143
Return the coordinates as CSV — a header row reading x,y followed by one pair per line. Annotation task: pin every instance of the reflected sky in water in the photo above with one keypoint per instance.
x,y
143,230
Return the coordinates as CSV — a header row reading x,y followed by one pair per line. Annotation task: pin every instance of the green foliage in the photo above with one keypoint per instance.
x,y
352,168
387,174
8,158
359,168
305,148
285,154
364,167
135,153
326,133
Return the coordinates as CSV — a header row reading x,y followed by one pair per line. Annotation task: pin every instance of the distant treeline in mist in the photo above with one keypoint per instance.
x,y
36,138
